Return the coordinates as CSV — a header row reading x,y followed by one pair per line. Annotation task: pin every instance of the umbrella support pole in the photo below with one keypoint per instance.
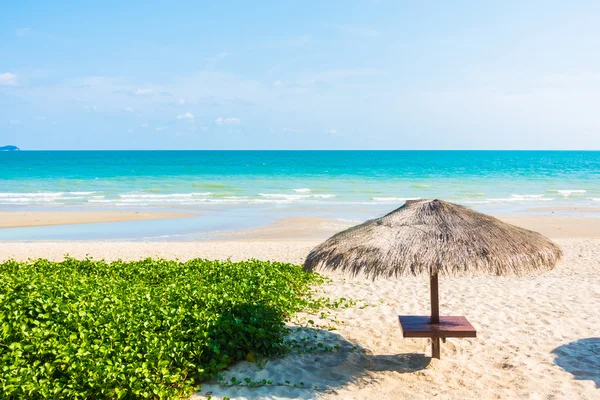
x,y
435,347
435,327
435,314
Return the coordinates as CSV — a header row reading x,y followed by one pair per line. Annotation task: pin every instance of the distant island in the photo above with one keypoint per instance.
x,y
9,148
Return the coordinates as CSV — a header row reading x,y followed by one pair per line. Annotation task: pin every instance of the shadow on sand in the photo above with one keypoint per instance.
x,y
321,362
581,359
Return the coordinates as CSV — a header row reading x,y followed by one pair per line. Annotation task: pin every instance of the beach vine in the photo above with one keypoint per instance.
x,y
144,329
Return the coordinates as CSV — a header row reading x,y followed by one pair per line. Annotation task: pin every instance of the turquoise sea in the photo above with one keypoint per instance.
x,y
237,189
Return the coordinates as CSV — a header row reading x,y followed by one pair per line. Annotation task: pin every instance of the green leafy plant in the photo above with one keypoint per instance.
x,y
145,329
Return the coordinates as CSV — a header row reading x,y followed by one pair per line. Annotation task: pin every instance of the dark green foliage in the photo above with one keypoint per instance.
x,y
147,329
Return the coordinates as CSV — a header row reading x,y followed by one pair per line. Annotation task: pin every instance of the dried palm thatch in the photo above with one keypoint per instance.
x,y
431,237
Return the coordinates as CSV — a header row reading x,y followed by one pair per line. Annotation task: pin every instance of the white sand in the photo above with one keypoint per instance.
x,y
538,337
521,323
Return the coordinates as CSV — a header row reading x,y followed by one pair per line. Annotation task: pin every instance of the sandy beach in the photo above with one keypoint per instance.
x,y
22,219
538,337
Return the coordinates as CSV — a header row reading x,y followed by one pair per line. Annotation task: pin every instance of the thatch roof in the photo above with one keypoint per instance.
x,y
428,236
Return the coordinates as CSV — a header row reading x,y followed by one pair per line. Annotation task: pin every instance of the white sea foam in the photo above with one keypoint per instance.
x,y
27,200
568,192
101,198
271,201
18,200
100,201
38,198
526,196
284,196
292,197
393,199
197,201
32,195
163,196
514,198
228,200
147,200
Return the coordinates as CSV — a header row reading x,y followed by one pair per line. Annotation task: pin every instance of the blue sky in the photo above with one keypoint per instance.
x,y
300,75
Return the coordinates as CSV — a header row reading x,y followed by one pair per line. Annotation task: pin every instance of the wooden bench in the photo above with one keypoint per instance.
x,y
414,326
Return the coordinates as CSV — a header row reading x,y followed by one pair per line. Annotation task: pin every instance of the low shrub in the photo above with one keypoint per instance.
x,y
145,329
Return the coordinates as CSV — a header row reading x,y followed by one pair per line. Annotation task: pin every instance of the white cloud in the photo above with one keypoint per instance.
x,y
128,109
333,131
144,125
106,82
23,31
14,121
160,128
212,61
143,92
8,79
277,83
228,121
187,115
181,101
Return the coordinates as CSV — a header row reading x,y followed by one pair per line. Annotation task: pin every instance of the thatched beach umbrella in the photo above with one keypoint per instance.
x,y
431,237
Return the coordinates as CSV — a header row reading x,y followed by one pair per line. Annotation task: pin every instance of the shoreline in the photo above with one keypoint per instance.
x,y
182,226
287,239
29,219
312,228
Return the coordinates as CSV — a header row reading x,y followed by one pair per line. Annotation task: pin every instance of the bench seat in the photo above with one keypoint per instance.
x,y
417,326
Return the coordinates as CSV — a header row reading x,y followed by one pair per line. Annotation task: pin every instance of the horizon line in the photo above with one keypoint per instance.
x,y
183,150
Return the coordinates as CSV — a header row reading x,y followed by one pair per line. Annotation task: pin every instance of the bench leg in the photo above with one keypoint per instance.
x,y
435,347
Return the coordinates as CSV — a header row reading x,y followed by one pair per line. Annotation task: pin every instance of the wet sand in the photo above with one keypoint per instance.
x,y
22,219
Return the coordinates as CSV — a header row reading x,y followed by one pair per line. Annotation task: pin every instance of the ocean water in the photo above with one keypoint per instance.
x,y
197,178
343,184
